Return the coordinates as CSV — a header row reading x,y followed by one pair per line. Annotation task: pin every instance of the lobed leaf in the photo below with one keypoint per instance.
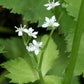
x,y
73,7
32,10
50,54
20,71
14,47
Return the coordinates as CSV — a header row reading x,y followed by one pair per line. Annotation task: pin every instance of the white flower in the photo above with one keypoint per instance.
x,y
52,4
31,33
30,47
50,22
34,46
21,29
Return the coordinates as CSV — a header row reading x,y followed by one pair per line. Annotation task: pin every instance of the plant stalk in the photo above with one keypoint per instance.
x,y
75,45
40,64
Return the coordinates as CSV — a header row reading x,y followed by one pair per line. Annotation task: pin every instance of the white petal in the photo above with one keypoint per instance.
x,y
20,33
35,42
34,36
45,25
40,44
33,48
46,4
49,8
27,47
36,51
35,33
30,29
53,19
16,27
25,30
47,19
57,3
56,24
24,26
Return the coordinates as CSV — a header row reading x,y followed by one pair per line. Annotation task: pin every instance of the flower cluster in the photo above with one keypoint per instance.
x,y
52,21
34,46
29,31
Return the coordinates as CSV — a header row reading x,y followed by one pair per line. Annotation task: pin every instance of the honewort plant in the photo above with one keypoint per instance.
x,y
55,58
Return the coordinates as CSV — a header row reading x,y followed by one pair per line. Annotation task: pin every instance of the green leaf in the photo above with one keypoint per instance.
x,y
79,68
2,49
50,79
67,23
50,54
53,80
61,62
73,7
32,10
20,71
75,80
14,47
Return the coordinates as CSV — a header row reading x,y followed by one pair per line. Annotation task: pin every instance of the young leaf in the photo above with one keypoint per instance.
x,y
20,71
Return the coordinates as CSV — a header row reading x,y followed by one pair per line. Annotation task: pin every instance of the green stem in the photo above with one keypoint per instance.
x,y
24,40
41,77
40,64
41,58
75,46
45,47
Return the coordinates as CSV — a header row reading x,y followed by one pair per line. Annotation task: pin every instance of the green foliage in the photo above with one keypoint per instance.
x,y
20,71
53,80
61,62
50,80
32,10
73,7
50,54
2,49
14,48
75,80
67,24
79,68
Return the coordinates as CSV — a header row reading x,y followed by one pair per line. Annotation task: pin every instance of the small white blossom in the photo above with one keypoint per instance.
x,y
52,4
50,22
21,29
30,47
34,46
31,33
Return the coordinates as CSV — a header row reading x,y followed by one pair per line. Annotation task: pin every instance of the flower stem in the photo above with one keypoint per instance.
x,y
44,48
41,58
75,46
